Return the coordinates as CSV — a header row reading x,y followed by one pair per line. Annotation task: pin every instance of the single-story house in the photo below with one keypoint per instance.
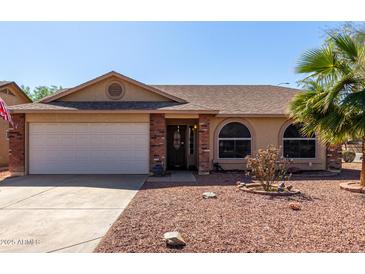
x,y
12,94
116,125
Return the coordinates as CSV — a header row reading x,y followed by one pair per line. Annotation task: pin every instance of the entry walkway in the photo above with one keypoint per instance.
x,y
176,176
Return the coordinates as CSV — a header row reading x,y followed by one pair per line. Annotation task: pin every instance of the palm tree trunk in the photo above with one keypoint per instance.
x,y
362,176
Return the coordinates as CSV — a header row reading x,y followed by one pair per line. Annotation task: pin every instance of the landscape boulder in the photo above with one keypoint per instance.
x,y
174,239
209,195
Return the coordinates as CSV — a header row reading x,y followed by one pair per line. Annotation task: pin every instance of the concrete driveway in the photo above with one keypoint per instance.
x,y
61,213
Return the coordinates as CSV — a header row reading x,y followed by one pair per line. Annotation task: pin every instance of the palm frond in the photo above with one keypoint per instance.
x,y
347,45
318,62
355,100
340,89
310,84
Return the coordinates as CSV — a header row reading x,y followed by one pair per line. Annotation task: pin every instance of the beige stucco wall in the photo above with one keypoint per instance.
x,y
4,126
97,92
264,131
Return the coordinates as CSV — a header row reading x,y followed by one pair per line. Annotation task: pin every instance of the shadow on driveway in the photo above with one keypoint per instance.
x,y
127,182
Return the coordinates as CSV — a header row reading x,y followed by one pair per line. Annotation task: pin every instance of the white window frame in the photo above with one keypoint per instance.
x,y
237,139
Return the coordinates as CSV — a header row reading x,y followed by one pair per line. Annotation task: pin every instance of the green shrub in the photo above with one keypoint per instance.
x,y
348,156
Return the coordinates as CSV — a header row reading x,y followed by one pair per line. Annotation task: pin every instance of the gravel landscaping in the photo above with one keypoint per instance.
x,y
330,219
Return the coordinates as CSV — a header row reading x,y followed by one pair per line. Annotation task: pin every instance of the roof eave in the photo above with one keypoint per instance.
x,y
46,111
252,115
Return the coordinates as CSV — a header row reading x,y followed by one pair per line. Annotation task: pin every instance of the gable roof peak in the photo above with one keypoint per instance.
x,y
66,92
4,84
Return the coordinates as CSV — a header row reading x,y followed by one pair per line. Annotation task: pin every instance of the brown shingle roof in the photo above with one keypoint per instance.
x,y
225,99
235,99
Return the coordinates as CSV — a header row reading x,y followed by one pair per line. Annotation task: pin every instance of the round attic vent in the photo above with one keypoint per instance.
x,y
115,91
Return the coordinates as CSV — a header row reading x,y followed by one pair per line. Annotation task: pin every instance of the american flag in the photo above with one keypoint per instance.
x,y
4,112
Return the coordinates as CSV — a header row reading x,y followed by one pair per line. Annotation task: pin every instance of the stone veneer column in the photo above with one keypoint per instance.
x,y
157,140
17,146
203,144
334,157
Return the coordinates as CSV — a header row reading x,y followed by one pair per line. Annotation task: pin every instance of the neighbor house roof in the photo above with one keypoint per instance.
x,y
4,84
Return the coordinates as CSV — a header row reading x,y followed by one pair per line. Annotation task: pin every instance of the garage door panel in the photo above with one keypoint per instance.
x,y
49,128
88,140
44,142
140,142
52,167
88,148
44,155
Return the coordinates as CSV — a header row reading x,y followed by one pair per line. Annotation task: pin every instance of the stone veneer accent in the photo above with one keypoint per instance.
x,y
334,157
203,144
16,137
157,140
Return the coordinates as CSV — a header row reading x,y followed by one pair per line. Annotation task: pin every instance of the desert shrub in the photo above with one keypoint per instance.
x,y
268,166
348,156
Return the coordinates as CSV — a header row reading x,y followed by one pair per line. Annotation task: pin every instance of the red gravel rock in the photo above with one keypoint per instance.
x,y
331,219
295,206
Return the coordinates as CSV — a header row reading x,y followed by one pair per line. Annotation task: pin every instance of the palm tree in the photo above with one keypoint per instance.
x,y
334,105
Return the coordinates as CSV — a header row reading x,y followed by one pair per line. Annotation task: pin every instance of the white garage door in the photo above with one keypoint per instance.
x,y
88,148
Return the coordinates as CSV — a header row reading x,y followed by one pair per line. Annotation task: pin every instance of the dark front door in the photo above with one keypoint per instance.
x,y
176,157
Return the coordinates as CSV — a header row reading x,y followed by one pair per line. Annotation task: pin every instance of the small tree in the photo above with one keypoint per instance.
x,y
268,166
40,92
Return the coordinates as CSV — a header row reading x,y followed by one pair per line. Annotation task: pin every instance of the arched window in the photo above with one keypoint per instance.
x,y
234,141
297,145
